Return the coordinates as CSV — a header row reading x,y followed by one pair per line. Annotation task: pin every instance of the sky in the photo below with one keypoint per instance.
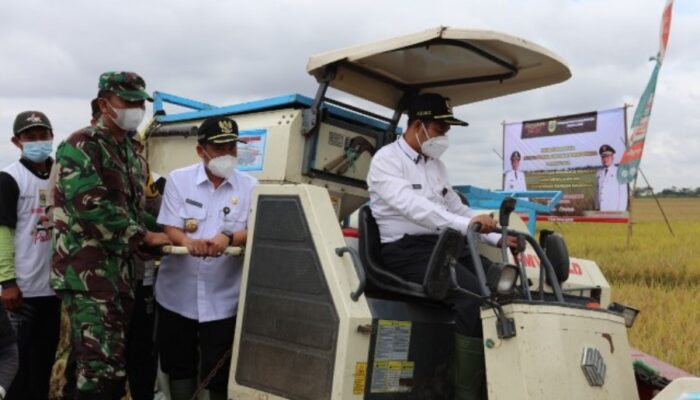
x,y
225,52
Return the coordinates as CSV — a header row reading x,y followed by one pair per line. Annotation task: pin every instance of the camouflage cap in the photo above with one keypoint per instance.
x,y
30,119
127,85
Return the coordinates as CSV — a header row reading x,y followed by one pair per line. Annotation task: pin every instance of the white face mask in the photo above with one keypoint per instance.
x,y
222,166
434,147
128,119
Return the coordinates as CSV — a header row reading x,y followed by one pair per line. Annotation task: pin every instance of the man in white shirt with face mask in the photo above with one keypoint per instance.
x,y
205,208
412,201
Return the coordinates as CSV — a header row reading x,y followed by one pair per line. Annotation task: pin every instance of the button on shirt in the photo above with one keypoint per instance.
x,y
411,194
203,289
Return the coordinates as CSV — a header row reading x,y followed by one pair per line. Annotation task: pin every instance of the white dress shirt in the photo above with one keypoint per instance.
x,y
514,181
611,195
411,194
203,289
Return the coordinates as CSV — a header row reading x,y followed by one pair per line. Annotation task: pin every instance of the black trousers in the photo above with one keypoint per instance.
x,y
36,324
408,258
141,361
181,340
9,358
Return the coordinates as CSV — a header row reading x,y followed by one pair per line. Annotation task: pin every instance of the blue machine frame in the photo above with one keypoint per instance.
x,y
482,198
204,110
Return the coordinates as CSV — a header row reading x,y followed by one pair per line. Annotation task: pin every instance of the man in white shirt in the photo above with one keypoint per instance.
x,y
610,194
205,208
25,256
514,179
412,201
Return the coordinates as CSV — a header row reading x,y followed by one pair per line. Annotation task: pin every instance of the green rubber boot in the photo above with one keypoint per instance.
x,y
470,368
182,389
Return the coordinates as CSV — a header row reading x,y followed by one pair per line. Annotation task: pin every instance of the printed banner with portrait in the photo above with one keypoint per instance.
x,y
577,154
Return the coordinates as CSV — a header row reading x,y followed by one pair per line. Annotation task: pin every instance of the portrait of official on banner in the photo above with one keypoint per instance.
x,y
576,154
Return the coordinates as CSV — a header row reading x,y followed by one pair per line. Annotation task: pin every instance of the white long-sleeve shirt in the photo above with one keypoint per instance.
x,y
514,181
611,195
411,194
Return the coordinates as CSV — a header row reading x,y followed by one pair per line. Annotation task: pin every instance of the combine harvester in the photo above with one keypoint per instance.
x,y
320,319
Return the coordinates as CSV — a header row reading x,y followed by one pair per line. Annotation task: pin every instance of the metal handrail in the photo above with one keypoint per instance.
x,y
182,250
357,263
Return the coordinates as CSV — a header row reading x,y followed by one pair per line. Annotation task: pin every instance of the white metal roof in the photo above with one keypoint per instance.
x,y
464,65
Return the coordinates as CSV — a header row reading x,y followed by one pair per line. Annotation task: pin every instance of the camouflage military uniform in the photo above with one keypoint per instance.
x,y
98,226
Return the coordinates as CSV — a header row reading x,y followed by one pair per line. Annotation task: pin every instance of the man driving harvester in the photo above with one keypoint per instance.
x,y
412,201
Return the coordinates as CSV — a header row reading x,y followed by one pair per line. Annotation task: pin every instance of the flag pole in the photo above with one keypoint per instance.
x,y
658,203
630,194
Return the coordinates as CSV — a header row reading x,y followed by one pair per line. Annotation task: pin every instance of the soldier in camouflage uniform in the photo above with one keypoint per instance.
x,y
99,229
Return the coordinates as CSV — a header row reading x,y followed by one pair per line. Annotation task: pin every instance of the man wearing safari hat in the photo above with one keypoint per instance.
x,y
25,255
99,228
610,194
205,208
412,201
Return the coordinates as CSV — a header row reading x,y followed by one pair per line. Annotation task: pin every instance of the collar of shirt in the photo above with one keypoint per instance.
x,y
408,150
39,174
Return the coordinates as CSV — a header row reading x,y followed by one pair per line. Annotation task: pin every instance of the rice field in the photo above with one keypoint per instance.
x,y
657,272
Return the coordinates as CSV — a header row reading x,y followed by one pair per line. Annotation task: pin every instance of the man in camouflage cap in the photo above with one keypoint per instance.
x,y
99,228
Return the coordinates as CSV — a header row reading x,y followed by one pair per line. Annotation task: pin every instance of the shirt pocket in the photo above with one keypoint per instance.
x,y
193,212
236,219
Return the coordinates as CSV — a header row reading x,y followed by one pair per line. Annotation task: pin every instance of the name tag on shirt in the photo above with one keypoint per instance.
x,y
194,203
417,186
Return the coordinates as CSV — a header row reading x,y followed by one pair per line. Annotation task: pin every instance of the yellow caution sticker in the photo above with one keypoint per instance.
x,y
360,378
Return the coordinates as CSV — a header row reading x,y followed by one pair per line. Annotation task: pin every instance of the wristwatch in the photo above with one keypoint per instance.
x,y
229,234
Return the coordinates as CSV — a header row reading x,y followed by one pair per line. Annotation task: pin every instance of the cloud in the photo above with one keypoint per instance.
x,y
223,52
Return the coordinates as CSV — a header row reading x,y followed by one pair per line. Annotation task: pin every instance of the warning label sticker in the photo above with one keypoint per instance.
x,y
360,378
393,340
391,371
392,376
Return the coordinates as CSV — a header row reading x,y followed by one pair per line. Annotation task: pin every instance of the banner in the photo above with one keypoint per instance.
x,y
577,154
632,157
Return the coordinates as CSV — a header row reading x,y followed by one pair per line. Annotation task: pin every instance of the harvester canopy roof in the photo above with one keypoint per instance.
x,y
465,65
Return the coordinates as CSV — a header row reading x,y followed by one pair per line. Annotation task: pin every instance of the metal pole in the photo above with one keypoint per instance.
x,y
630,195
658,203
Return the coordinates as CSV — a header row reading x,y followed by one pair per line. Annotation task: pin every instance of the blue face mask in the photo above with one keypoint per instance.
x,y
37,151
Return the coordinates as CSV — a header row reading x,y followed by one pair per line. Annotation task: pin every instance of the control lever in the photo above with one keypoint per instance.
x,y
507,207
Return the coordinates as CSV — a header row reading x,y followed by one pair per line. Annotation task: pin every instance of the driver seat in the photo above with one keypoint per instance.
x,y
370,253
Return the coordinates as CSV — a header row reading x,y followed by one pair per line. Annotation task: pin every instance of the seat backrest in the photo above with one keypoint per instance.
x,y
370,254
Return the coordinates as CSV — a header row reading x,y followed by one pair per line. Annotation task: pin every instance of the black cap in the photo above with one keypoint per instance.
x,y
515,154
606,149
432,106
218,130
95,109
30,119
